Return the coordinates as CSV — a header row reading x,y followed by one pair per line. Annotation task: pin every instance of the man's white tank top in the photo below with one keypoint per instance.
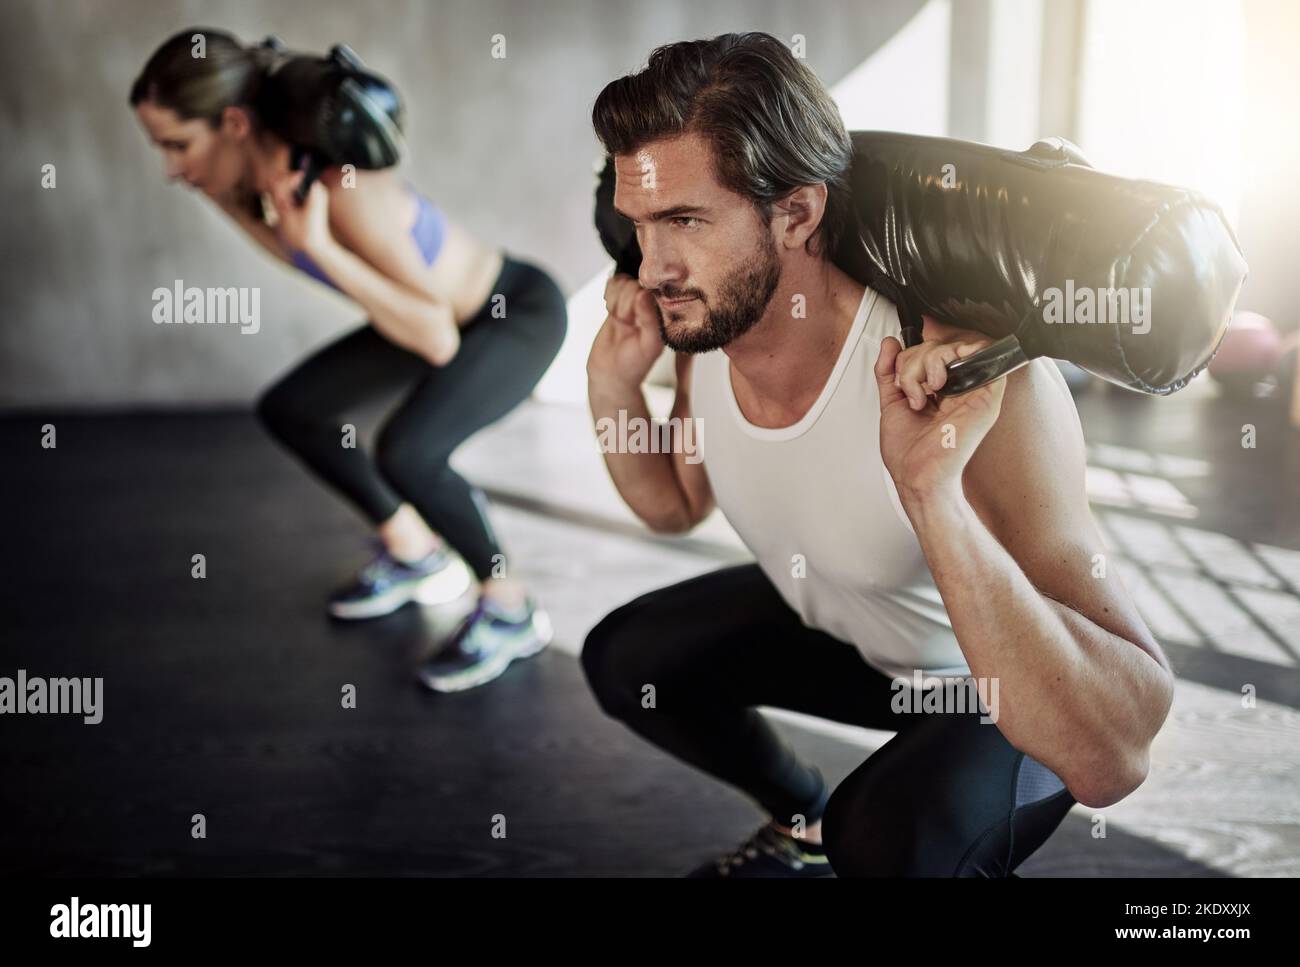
x,y
815,505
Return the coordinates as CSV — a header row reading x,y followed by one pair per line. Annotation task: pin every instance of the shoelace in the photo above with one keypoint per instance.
x,y
760,841
375,571
466,641
382,566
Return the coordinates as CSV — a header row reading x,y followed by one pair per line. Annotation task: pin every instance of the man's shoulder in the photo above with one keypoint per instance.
x,y
1037,446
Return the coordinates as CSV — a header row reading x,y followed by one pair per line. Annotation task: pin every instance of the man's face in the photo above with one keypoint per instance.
x,y
707,255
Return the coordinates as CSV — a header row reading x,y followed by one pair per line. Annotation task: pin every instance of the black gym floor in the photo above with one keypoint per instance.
x,y
222,695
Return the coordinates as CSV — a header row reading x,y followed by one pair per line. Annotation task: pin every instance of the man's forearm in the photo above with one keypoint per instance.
x,y
647,482
409,319
1078,698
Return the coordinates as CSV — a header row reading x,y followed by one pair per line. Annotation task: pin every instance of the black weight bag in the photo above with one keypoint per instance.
x,y
331,111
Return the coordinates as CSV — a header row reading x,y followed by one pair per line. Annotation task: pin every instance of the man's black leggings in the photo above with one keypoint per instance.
x,y
946,796
500,360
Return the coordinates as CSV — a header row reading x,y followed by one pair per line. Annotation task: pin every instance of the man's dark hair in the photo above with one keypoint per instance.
x,y
771,123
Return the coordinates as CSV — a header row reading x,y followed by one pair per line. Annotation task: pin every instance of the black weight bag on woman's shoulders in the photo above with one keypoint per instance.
x,y
331,111
1131,280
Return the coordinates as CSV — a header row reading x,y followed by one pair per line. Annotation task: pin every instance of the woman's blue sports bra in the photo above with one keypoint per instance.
x,y
429,230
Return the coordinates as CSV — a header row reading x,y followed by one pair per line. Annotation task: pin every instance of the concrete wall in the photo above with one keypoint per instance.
x,y
505,145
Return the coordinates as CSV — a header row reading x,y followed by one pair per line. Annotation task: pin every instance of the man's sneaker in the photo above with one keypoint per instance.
x,y
484,645
386,583
769,852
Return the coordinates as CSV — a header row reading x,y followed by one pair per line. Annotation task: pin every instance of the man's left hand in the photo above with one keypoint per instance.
x,y
926,441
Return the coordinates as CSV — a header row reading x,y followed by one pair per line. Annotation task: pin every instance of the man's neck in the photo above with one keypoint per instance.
x,y
781,365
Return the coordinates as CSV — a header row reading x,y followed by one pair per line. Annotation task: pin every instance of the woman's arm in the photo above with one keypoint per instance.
x,y
380,267
414,320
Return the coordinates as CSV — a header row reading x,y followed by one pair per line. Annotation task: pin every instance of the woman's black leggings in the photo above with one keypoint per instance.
x,y
503,353
946,796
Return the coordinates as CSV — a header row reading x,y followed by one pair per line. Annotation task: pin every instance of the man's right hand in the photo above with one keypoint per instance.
x,y
628,344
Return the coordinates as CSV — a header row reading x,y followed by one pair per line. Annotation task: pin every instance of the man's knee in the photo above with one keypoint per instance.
x,y
869,830
610,658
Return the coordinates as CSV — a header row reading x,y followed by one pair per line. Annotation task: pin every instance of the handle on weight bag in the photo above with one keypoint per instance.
x,y
999,358
990,363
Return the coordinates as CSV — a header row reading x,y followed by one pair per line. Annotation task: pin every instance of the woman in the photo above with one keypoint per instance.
x,y
468,328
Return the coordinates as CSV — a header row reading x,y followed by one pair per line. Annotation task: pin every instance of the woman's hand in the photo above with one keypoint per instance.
x,y
927,443
304,228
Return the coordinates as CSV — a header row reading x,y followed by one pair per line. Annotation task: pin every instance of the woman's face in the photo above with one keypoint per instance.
x,y
213,160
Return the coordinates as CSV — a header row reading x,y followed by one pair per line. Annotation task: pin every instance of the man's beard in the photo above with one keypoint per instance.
x,y
742,299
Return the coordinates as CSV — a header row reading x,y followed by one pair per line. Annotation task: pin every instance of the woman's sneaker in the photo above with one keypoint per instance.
x,y
386,583
484,645
769,853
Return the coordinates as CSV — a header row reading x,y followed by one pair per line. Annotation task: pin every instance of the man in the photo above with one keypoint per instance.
x,y
864,500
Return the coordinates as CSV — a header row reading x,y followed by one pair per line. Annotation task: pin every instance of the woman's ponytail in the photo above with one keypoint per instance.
x,y
267,55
